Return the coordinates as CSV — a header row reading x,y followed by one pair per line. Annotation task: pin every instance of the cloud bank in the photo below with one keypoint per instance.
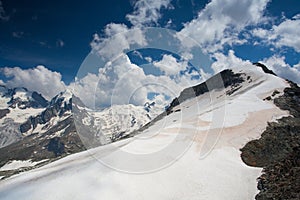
x,y
217,29
40,79
221,22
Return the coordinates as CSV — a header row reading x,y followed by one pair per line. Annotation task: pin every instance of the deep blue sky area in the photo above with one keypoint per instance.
x,y
57,34
32,34
35,28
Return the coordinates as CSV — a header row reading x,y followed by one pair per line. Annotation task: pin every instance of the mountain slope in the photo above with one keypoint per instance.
x,y
193,152
16,106
35,133
44,135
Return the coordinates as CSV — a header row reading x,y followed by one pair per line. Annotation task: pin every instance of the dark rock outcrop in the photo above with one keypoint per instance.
x,y
56,137
223,80
264,68
3,112
56,146
36,100
278,151
39,99
57,107
48,145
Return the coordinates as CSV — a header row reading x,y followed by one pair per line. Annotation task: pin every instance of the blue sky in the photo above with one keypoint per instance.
x,y
59,34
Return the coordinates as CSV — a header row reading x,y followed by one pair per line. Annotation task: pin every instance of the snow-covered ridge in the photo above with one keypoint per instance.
x,y
17,164
212,126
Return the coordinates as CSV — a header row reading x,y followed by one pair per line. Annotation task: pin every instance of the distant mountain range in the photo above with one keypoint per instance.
x,y
32,128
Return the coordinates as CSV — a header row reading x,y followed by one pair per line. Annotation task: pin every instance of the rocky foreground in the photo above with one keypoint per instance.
x,y
278,151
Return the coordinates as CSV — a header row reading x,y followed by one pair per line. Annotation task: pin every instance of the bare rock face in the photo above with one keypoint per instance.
x,y
3,112
51,134
278,151
228,79
29,100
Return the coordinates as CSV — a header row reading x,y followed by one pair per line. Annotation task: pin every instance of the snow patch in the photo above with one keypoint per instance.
x,y
17,164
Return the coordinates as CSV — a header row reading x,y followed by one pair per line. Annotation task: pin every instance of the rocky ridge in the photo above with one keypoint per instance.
x,y
278,150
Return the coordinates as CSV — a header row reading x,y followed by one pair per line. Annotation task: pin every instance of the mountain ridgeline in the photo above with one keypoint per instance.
x,y
222,80
35,129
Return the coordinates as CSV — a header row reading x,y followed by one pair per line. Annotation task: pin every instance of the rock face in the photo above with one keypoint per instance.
x,y
225,79
47,134
58,107
264,68
3,112
22,98
278,151
17,105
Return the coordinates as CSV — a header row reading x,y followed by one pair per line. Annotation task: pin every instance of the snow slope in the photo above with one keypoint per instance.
x,y
17,164
192,153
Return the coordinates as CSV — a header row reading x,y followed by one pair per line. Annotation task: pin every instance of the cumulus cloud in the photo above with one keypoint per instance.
x,y
221,22
284,34
297,66
122,82
147,12
283,69
228,61
40,79
169,65
118,37
84,88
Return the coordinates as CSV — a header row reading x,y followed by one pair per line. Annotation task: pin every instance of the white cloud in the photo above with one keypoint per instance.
x,y
284,34
118,37
282,69
287,34
3,15
297,66
39,79
169,65
149,59
147,12
220,22
84,88
122,82
227,61
114,83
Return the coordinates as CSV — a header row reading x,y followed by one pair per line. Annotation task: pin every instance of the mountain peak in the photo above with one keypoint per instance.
x,y
264,68
21,97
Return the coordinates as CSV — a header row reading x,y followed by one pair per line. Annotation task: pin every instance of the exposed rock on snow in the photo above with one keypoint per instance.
x,y
278,151
191,153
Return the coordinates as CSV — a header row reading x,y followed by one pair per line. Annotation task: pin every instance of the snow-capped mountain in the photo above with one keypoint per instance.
x,y
35,129
16,106
115,122
191,151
